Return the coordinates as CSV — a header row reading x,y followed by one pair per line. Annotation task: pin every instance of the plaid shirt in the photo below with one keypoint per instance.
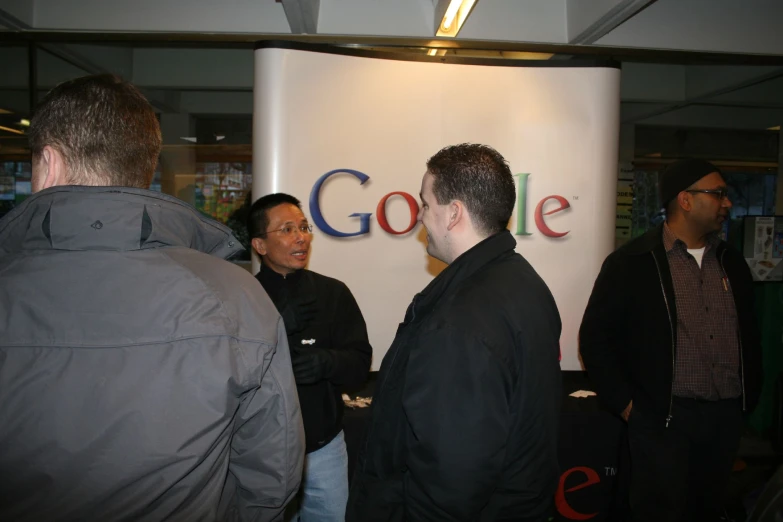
x,y
708,359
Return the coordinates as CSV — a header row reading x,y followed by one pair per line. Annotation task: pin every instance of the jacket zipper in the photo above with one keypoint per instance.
x,y
739,339
671,330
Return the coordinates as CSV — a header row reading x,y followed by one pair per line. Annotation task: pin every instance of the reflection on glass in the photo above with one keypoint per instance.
x,y
220,188
15,184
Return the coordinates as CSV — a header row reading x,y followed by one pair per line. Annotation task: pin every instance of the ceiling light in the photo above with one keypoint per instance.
x,y
24,122
451,13
11,130
776,127
454,16
438,52
524,55
204,140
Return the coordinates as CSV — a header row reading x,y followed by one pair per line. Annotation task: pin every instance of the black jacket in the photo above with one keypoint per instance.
x,y
629,330
338,326
464,419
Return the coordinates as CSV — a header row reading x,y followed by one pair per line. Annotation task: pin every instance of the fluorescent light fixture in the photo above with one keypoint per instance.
x,y
24,122
11,130
451,14
437,52
194,139
524,55
456,14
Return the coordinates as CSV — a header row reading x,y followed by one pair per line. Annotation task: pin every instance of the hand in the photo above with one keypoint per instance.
x,y
311,364
297,312
627,411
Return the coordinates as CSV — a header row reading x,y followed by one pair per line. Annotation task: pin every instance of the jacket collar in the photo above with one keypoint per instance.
x,y
647,242
652,240
460,269
113,219
274,283
277,286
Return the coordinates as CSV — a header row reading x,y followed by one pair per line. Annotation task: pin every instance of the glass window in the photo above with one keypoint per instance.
x,y
15,100
204,100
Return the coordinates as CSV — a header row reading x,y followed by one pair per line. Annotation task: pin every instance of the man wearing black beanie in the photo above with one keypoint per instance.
x,y
670,341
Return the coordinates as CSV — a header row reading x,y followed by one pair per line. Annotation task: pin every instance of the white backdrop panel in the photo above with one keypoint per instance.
x,y
318,112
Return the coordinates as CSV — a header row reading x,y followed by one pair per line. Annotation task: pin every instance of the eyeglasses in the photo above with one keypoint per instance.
x,y
720,193
290,230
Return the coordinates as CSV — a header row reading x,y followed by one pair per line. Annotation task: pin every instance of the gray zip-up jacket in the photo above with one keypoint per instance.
x,y
142,377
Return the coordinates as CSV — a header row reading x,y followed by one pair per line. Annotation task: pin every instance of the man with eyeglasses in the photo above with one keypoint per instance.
x,y
671,343
330,350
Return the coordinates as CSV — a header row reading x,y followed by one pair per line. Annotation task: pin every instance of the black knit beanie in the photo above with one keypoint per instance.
x,y
680,175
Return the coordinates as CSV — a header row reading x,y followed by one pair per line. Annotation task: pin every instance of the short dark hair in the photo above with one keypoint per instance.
x,y
105,129
478,176
258,220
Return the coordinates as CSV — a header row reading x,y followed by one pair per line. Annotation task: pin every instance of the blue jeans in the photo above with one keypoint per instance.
x,y
324,492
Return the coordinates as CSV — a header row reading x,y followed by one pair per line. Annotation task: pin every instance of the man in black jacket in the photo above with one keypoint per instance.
x,y
464,419
671,343
329,348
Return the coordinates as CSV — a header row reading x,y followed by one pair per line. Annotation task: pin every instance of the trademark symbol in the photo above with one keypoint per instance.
x,y
575,198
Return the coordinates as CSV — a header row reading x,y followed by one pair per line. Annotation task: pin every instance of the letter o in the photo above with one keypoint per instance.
x,y
380,213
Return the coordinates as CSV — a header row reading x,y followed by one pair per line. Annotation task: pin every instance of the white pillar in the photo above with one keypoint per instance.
x,y
268,128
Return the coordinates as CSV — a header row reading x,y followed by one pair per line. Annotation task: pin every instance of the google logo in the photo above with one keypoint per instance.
x,y
413,206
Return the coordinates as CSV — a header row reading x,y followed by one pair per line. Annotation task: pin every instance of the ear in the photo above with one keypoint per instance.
x,y
456,214
53,168
684,200
259,245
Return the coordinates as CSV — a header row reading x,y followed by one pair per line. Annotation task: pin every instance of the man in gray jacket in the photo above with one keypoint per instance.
x,y
142,377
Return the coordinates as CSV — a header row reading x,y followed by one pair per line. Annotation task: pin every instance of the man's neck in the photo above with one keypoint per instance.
x,y
464,242
683,232
470,243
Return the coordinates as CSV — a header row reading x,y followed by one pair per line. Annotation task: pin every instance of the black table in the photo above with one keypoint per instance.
x,y
592,451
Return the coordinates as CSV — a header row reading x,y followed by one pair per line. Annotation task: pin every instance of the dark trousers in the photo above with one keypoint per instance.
x,y
680,473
